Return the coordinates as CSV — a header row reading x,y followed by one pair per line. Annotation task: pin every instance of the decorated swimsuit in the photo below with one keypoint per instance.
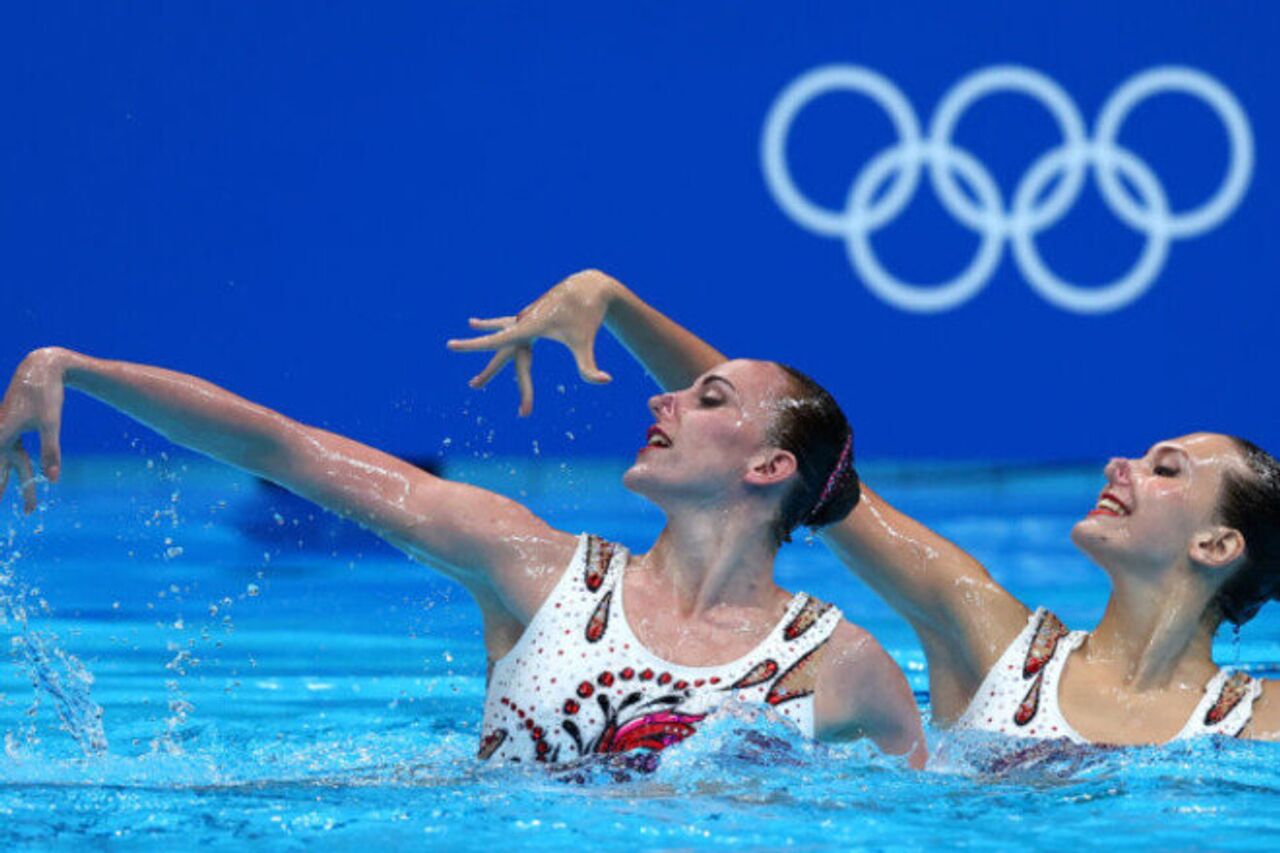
x,y
1019,696
579,683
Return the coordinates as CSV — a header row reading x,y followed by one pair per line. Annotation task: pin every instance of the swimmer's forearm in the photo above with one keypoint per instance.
x,y
672,354
492,544
185,409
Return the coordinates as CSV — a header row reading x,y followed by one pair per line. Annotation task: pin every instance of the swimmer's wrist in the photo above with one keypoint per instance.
x,y
72,366
48,360
617,297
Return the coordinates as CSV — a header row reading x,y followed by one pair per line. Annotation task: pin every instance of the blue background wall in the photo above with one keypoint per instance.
x,y
302,202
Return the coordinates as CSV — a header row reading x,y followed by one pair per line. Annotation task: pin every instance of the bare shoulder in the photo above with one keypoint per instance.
x,y
856,680
531,566
862,692
1265,724
853,661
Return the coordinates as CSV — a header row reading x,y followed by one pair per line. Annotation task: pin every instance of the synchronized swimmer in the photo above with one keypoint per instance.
x,y
592,651
595,651
1188,534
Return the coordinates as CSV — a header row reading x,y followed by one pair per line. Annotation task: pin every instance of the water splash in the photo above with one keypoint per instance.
x,y
54,672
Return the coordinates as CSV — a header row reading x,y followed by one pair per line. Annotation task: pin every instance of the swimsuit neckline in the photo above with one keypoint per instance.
x,y
794,606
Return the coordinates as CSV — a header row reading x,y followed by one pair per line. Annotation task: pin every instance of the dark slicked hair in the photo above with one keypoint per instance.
x,y
1250,503
811,426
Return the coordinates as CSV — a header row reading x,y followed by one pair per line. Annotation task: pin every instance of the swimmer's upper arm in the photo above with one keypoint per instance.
x,y
1265,723
474,535
962,615
861,692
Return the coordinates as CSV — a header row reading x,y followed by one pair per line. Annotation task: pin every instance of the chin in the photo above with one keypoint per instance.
x,y
1087,535
1101,545
638,480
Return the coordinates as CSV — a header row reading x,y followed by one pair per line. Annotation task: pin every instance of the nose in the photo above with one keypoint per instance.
x,y
662,404
1118,471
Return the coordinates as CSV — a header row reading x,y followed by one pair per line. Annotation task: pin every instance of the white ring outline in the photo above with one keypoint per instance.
x,y
1112,295
916,297
1173,78
864,215
793,99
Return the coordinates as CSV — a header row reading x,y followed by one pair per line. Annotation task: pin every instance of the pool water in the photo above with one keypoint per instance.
x,y
199,660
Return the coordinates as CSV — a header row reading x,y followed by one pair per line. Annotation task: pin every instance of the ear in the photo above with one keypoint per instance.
x,y
1217,547
770,467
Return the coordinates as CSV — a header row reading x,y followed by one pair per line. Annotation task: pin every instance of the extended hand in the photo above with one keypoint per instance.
x,y
571,313
33,403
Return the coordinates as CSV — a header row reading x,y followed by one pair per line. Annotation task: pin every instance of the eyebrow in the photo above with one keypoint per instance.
x,y
1160,448
714,378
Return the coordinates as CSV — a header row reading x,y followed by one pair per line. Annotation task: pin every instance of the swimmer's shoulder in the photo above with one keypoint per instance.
x,y
1265,723
856,683
520,583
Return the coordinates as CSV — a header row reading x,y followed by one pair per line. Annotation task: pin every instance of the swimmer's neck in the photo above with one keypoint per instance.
x,y
1154,633
713,559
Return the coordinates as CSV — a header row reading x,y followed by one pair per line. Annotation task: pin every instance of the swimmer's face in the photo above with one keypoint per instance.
x,y
1162,507
708,441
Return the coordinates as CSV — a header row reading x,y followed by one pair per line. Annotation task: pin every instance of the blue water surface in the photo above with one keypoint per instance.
x,y
199,660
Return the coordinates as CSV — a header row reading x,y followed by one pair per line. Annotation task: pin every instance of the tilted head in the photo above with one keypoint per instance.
x,y
750,431
1250,503
1207,501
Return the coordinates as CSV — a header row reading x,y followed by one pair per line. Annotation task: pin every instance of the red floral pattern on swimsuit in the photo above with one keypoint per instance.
x,y
599,558
796,682
1236,688
1044,644
1030,703
579,683
806,618
599,621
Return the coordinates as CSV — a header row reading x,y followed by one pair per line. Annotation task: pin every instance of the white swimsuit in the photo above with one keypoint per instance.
x,y
578,682
1019,696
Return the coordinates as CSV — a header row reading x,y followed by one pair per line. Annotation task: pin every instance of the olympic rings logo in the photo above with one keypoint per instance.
x,y
986,212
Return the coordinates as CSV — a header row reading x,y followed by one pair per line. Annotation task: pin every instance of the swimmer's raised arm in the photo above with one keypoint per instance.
x,y
480,538
963,617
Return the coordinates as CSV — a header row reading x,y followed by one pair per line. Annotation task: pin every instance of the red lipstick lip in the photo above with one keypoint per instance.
x,y
648,436
1112,495
655,430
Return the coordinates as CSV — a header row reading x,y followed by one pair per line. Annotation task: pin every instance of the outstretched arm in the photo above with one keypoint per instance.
x,y
963,617
491,544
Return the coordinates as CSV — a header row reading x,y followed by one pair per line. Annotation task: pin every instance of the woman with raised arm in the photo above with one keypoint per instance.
x,y
1189,535
736,461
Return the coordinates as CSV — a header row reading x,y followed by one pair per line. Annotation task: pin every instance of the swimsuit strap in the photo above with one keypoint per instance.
x,y
1226,707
